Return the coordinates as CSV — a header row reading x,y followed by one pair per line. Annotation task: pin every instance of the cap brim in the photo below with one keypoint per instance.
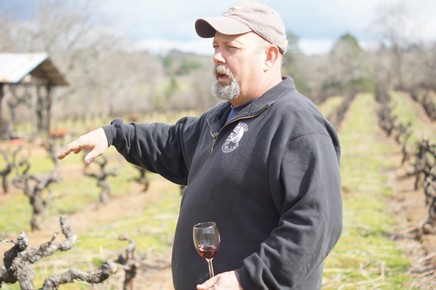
x,y
206,27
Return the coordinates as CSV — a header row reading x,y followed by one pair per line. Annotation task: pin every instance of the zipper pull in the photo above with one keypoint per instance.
x,y
214,139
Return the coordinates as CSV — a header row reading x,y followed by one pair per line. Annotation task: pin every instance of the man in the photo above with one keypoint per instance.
x,y
263,164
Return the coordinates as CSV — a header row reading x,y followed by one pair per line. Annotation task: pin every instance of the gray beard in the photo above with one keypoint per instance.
x,y
225,92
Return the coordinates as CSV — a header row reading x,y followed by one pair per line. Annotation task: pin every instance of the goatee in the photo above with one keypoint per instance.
x,y
222,91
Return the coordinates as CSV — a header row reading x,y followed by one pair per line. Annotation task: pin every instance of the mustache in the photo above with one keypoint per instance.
x,y
221,69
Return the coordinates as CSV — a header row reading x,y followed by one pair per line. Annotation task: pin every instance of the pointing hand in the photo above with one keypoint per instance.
x,y
95,141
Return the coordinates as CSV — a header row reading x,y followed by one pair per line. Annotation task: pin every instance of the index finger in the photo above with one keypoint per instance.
x,y
72,147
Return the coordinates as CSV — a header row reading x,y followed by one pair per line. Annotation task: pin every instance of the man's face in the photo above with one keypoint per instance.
x,y
238,62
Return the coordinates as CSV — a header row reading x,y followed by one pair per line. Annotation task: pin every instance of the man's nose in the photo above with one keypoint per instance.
x,y
218,57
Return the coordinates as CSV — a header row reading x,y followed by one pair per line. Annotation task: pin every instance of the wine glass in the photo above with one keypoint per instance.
x,y
207,242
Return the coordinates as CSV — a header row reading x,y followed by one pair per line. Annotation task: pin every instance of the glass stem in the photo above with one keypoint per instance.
x,y
209,263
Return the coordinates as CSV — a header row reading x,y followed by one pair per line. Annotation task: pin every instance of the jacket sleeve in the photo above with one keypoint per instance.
x,y
305,186
157,147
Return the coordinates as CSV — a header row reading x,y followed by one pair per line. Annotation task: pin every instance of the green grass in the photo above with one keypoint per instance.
x,y
365,256
15,214
152,228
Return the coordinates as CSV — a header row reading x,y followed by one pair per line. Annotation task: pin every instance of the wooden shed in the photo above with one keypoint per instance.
x,y
29,69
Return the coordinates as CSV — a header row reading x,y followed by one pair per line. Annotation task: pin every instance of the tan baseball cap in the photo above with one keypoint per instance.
x,y
244,17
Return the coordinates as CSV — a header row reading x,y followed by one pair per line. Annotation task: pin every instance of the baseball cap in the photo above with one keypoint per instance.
x,y
244,17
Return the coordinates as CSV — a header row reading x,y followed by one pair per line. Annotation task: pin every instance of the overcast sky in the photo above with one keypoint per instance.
x,y
159,25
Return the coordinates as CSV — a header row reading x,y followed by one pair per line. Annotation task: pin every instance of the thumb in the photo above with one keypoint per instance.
x,y
208,284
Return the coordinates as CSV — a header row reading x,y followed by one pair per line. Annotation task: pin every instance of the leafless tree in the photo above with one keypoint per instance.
x,y
95,277
19,96
34,187
129,262
394,26
10,164
19,259
421,63
101,176
142,178
430,198
349,70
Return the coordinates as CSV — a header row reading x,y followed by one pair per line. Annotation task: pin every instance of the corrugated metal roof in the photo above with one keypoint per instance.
x,y
14,67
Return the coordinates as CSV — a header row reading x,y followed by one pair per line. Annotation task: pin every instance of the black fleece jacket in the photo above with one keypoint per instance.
x,y
269,178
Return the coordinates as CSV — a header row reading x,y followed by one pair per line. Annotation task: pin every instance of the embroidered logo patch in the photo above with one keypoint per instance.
x,y
232,142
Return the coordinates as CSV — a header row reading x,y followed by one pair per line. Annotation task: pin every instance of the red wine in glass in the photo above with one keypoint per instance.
x,y
207,242
207,252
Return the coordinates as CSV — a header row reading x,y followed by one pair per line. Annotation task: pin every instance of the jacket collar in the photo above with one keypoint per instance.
x,y
217,120
270,96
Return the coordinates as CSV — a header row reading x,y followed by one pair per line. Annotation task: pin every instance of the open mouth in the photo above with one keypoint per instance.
x,y
222,77
223,74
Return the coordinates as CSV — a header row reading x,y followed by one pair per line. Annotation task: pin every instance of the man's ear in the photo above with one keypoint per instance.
x,y
272,55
